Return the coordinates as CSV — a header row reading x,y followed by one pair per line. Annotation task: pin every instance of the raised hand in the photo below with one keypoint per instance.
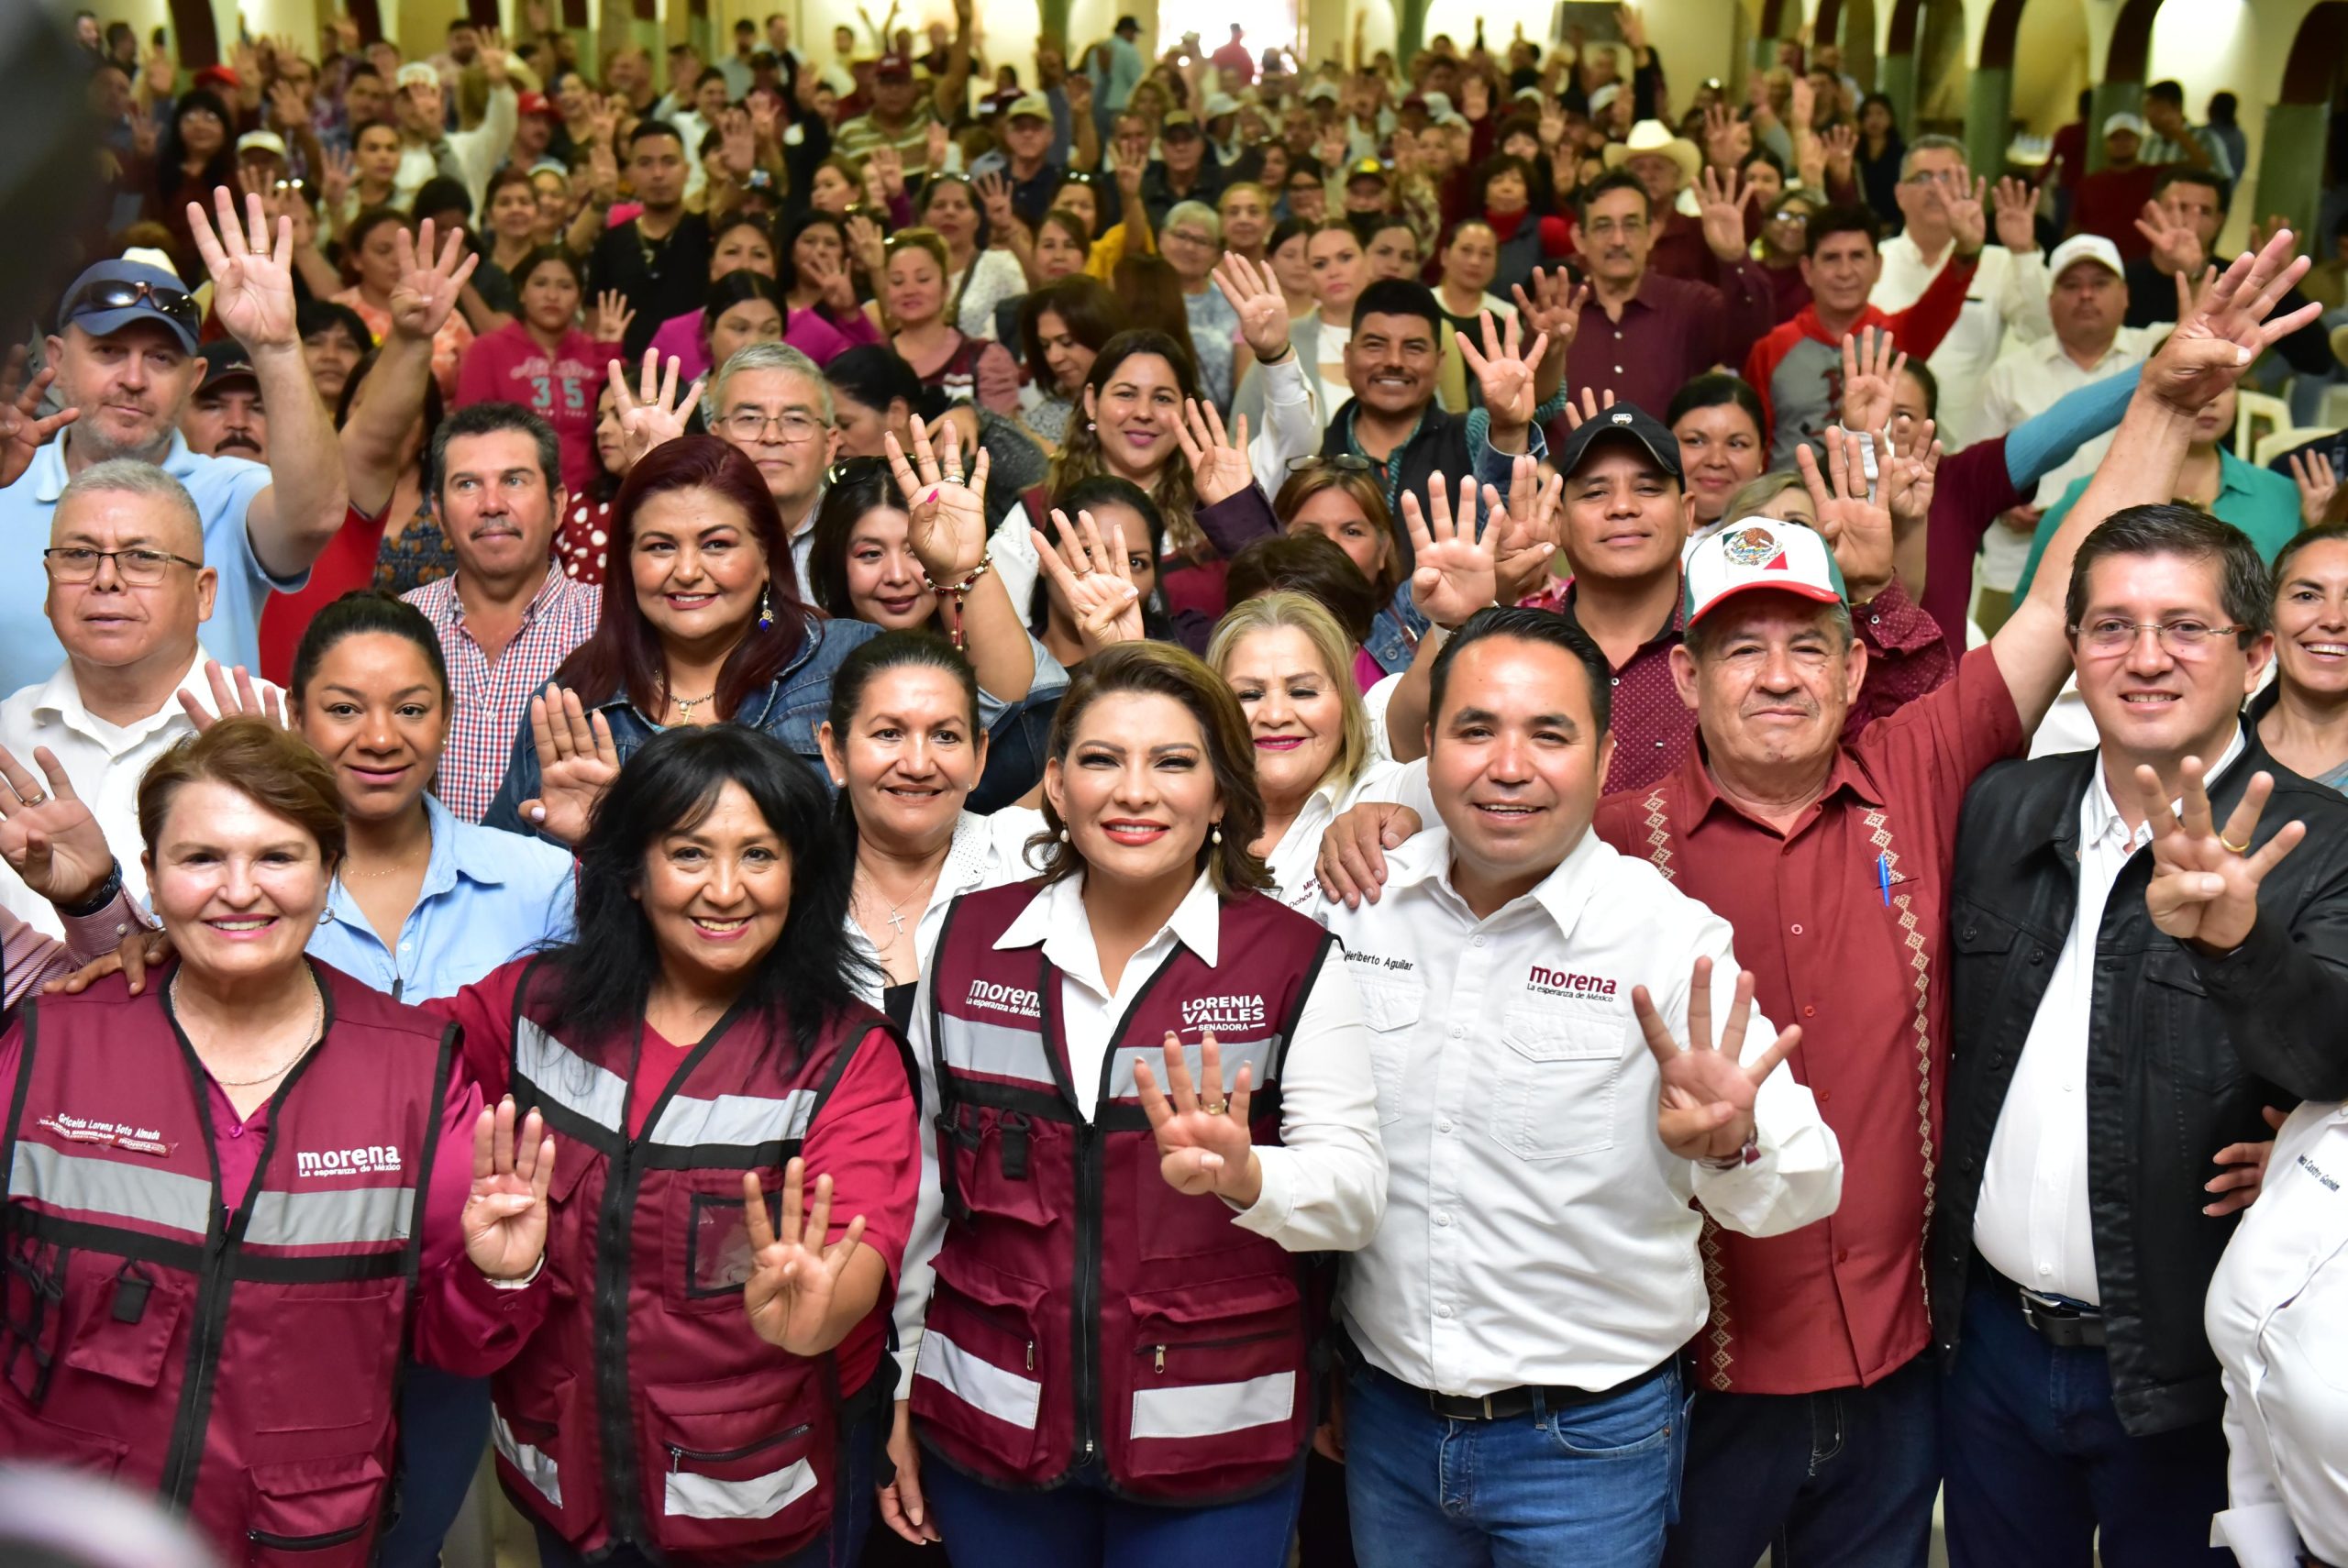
x,y
234,696
2223,326
1857,529
610,322
253,278
830,279
1457,573
650,414
1532,531
1204,1143
1255,294
2017,205
2205,880
493,55
1967,218
945,516
2318,487
23,430
1553,309
1132,161
427,291
1720,137
1095,579
577,763
866,247
1723,204
1218,462
603,173
1842,150
795,1276
766,119
886,163
504,1219
47,835
1802,106
1907,468
1578,413
1871,367
2176,247
1505,369
934,146
334,180
1705,1112
994,200
738,148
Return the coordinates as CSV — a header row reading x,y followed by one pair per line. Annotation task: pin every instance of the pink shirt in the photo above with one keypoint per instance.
x,y
510,366
808,331
448,344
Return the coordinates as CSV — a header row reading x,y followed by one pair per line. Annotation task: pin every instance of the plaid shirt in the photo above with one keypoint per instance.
x,y
493,700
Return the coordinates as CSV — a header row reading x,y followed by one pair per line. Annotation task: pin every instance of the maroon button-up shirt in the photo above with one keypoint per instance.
x,y
1671,329
1652,727
1840,919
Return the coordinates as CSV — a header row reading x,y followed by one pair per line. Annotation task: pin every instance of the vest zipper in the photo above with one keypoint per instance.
x,y
1086,1307
185,1460
270,1539
614,1414
1158,1359
678,1455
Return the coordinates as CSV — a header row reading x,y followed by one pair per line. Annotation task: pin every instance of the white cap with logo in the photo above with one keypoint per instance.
x,y
2085,248
1761,553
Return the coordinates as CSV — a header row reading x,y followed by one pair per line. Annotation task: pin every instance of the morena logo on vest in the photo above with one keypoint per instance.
x,y
1004,999
1564,983
375,1159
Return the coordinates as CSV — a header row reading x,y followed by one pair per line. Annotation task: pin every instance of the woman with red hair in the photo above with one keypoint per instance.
x,y
701,623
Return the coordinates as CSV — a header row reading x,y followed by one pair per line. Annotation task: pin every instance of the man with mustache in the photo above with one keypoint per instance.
x,y
225,417
124,353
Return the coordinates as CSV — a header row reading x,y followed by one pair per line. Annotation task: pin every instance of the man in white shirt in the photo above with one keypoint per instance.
x,y
2087,306
427,147
1519,1314
2009,291
128,587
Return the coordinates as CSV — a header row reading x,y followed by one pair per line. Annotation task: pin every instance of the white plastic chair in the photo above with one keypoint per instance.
x,y
2253,409
2274,443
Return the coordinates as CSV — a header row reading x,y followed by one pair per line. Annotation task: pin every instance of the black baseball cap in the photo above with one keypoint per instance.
x,y
1625,421
225,360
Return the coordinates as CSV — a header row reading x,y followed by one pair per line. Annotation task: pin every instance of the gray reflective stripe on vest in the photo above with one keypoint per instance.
x,y
997,1050
735,1119
1253,1052
981,1384
565,1078
762,1497
112,1187
533,1466
323,1218
1212,1409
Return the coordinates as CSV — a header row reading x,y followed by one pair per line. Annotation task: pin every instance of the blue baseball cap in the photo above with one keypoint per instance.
x,y
110,295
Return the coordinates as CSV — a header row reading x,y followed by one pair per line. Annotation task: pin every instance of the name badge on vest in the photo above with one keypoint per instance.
x,y
123,1135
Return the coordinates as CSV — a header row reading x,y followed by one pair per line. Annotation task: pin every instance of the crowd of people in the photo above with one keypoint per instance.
x,y
878,808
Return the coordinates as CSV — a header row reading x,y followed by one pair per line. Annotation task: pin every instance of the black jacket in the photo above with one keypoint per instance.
x,y
2183,1049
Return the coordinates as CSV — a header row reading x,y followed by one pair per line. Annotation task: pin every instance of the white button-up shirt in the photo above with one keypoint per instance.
x,y
1536,1230
2008,296
104,761
2026,380
2031,1223
987,852
1324,1185
1291,859
2277,1317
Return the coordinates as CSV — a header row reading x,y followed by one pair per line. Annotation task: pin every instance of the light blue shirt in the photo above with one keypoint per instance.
x,y
223,489
488,897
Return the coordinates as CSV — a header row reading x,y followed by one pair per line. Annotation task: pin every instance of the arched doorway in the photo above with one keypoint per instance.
x,y
2301,127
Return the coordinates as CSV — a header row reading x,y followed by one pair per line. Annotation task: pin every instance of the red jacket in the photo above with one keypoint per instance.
x,y
1798,368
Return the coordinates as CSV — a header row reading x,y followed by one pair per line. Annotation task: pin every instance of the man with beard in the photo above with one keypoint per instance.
x,y
125,361
225,417
658,259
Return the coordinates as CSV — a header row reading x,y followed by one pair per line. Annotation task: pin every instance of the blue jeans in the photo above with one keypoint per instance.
x,y
1081,1525
1838,1479
851,1504
1586,1484
2038,1462
444,1425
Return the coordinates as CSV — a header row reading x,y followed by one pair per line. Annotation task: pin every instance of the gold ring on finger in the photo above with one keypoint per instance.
x,y
38,798
1218,1108
2223,840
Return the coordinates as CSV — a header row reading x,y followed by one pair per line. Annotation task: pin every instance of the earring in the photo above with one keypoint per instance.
x,y
1218,833
1063,835
766,606
1089,425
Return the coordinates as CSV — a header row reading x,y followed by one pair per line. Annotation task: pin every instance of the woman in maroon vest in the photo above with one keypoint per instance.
x,y
1113,1333
702,1036
233,1198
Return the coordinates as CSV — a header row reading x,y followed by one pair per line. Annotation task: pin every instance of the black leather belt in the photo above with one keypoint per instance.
x,y
2065,1325
1507,1404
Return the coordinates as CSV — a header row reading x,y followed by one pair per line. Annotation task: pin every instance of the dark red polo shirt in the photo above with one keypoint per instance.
x,y
1842,921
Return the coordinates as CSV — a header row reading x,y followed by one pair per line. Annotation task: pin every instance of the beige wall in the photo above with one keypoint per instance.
x,y
2050,64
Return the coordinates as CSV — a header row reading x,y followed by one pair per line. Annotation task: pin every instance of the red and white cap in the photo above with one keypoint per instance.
x,y
1760,553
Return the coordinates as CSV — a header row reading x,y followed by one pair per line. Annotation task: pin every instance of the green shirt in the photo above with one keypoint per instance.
x,y
2261,502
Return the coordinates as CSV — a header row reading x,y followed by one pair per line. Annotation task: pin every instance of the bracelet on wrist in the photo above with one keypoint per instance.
x,y
100,897
959,594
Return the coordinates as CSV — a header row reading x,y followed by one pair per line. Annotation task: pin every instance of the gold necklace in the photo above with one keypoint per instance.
x,y
317,1027
685,705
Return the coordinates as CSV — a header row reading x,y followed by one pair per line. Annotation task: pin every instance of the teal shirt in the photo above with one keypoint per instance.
x,y
2261,502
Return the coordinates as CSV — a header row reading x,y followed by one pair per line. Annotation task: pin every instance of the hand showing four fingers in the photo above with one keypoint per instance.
x,y
1203,1142
2206,878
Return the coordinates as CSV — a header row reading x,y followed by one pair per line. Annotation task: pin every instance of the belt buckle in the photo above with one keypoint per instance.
x,y
1486,1401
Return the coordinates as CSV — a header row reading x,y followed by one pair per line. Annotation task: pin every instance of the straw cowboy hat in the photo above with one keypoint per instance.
x,y
1654,135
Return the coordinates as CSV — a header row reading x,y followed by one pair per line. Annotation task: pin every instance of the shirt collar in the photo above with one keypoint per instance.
x,y
557,583
2099,817
1562,894
457,850
1700,794
60,695
1056,916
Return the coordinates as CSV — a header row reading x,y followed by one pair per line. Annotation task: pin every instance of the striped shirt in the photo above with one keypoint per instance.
x,y
493,699
858,138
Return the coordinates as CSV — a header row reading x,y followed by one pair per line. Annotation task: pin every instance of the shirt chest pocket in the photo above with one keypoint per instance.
x,y
1558,1072
1391,1009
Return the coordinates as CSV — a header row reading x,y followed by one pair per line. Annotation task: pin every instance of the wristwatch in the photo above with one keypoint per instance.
x,y
100,897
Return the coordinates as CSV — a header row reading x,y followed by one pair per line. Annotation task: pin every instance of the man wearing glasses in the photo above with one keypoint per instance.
x,y
772,403
125,366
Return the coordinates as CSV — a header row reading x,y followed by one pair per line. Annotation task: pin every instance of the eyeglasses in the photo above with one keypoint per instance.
x,y
750,425
1188,236
848,470
2183,638
1798,220
1344,462
1923,177
139,568
121,293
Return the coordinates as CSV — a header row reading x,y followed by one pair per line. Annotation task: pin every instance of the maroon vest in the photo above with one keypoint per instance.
x,y
239,1363
1084,1309
645,1409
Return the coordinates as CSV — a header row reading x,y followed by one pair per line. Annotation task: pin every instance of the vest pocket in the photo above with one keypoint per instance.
x,y
1215,1381
540,1431
1556,1086
130,1327
979,1378
313,1512
710,1247
363,1317
747,1472
1001,1158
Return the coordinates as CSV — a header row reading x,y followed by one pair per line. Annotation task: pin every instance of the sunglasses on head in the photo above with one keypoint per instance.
x,y
118,293
847,470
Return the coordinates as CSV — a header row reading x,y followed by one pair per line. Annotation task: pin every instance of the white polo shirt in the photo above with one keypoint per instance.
x,y
1536,1230
2005,304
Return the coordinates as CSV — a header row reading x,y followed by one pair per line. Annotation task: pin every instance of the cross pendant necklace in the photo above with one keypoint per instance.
x,y
896,921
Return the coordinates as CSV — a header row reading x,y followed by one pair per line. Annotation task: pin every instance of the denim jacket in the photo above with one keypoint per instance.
x,y
1394,636
789,709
